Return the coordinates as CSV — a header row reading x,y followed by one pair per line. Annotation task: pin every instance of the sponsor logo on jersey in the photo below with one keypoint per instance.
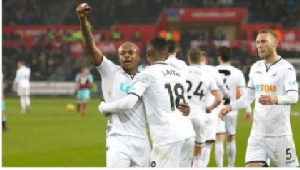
x,y
265,88
293,83
125,88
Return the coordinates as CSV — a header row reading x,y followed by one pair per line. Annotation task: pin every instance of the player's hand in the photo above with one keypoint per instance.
x,y
226,101
184,108
101,109
208,109
82,10
224,111
248,117
268,100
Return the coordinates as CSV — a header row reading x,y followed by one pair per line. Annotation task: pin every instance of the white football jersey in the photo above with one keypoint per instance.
x,y
214,74
116,83
232,78
175,62
276,79
23,77
162,89
199,87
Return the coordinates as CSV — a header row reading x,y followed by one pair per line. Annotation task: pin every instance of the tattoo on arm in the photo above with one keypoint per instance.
x,y
87,37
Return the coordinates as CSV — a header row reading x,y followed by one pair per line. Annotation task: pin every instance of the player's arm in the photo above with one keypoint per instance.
x,y
140,83
218,100
95,53
222,88
291,88
16,80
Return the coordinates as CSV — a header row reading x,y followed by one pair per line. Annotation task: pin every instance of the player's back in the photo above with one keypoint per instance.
x,y
199,87
23,76
232,77
162,97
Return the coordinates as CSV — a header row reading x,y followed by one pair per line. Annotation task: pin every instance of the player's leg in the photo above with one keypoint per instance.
x,y
4,126
219,149
27,99
282,152
86,97
187,152
199,128
140,154
79,97
117,152
230,125
167,156
23,103
210,136
256,155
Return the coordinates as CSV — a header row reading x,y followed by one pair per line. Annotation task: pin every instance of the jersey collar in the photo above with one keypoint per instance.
x,y
268,67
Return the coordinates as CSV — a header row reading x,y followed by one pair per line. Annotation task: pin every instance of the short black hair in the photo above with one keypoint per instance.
x,y
159,44
171,46
224,53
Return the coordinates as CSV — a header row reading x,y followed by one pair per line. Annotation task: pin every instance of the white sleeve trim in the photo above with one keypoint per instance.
x,y
290,98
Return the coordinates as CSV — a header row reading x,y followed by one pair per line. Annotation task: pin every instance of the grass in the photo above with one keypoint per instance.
x,y
51,136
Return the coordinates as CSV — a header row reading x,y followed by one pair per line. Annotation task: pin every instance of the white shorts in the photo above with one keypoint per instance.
x,y
127,151
211,126
173,155
280,150
199,125
23,91
230,123
221,127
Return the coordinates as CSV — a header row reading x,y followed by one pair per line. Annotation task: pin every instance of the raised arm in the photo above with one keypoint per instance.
x,y
90,45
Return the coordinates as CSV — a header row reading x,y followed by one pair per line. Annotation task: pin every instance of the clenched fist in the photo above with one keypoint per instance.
x,y
82,10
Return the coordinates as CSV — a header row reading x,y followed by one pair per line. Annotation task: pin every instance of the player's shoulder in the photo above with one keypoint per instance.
x,y
258,64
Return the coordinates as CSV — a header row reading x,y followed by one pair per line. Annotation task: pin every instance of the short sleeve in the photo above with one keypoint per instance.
x,y
77,77
289,80
213,85
140,84
91,78
106,67
241,79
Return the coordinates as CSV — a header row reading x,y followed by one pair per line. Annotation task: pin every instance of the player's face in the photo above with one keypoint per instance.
x,y
85,71
265,45
128,56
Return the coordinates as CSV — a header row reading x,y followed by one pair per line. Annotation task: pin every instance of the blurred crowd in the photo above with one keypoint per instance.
x,y
48,64
111,12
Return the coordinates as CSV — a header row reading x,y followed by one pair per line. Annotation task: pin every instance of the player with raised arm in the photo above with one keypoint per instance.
x,y
200,85
274,88
84,81
162,89
22,86
234,80
127,143
212,118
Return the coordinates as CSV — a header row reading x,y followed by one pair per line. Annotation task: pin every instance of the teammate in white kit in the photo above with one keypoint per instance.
x,y
234,80
161,87
172,59
200,85
274,87
212,118
22,86
127,142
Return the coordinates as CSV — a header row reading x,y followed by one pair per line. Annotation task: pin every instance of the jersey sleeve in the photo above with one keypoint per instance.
x,y
77,77
250,83
140,84
241,80
90,78
212,84
289,80
106,67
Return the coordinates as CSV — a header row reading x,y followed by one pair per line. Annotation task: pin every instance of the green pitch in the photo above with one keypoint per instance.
x,y
51,136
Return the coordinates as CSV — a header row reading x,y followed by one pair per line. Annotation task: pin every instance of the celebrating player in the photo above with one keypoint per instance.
x,y
127,142
234,80
22,86
84,80
274,87
200,85
162,88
